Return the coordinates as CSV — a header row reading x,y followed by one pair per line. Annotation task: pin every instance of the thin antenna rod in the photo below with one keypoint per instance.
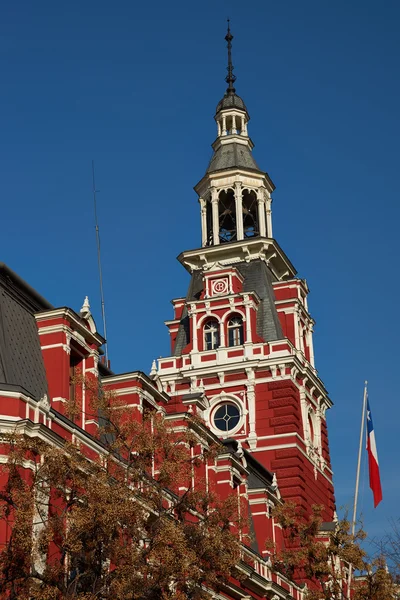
x,y
103,310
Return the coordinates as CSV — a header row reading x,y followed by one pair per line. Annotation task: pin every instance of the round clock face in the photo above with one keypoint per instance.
x,y
220,286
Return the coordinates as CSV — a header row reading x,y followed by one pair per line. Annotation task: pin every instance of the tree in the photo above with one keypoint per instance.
x,y
320,558
389,547
120,521
376,582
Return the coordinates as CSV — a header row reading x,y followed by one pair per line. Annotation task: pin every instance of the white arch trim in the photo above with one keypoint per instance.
x,y
208,317
219,399
231,314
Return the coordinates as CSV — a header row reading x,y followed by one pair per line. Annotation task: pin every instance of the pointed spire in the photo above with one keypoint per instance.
x,y
153,371
85,310
230,78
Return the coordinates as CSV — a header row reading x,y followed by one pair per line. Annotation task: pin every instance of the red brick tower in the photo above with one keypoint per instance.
x,y
241,340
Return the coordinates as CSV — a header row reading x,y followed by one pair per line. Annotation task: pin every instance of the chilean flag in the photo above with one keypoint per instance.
x,y
374,476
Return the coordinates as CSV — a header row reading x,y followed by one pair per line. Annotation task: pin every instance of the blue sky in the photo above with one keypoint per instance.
x,y
134,87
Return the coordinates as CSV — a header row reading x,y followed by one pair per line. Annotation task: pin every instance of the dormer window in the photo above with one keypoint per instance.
x,y
211,335
235,331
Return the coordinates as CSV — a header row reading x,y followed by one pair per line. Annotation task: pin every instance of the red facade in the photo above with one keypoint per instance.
x,y
280,399
60,342
241,356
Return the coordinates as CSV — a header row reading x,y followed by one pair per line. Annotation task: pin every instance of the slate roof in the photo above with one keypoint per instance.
x,y
259,476
195,288
257,278
21,362
232,155
231,101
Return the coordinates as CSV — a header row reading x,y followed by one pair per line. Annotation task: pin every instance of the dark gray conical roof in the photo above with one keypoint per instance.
x,y
231,101
233,155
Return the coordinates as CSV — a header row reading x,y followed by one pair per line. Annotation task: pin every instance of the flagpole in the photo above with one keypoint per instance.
x,y
353,525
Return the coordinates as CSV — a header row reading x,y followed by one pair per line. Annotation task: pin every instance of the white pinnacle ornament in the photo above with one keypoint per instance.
x,y
85,310
153,371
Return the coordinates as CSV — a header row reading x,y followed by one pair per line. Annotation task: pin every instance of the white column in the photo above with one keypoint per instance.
x,y
203,206
239,210
310,345
251,407
245,128
261,213
304,411
224,125
215,216
242,130
193,315
234,124
318,432
249,338
222,334
297,331
219,128
269,217
301,337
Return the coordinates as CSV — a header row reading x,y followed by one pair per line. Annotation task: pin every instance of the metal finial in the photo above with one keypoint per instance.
x,y
230,78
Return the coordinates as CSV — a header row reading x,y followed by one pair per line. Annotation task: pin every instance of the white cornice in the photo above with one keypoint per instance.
x,y
72,317
254,302
293,283
228,176
134,376
295,361
49,329
266,249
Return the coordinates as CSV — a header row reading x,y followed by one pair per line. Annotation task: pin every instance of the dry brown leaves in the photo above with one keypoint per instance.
x,y
117,525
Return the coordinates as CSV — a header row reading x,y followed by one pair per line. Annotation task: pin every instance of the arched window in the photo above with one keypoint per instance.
x,y
211,335
250,214
227,216
235,331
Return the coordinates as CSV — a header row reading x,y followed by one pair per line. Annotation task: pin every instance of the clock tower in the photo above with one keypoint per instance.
x,y
242,338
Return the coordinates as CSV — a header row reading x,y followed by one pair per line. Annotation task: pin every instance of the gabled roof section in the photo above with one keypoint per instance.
x,y
77,323
259,476
21,362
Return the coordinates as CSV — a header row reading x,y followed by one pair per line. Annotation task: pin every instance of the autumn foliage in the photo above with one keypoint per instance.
x,y
118,518
321,558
